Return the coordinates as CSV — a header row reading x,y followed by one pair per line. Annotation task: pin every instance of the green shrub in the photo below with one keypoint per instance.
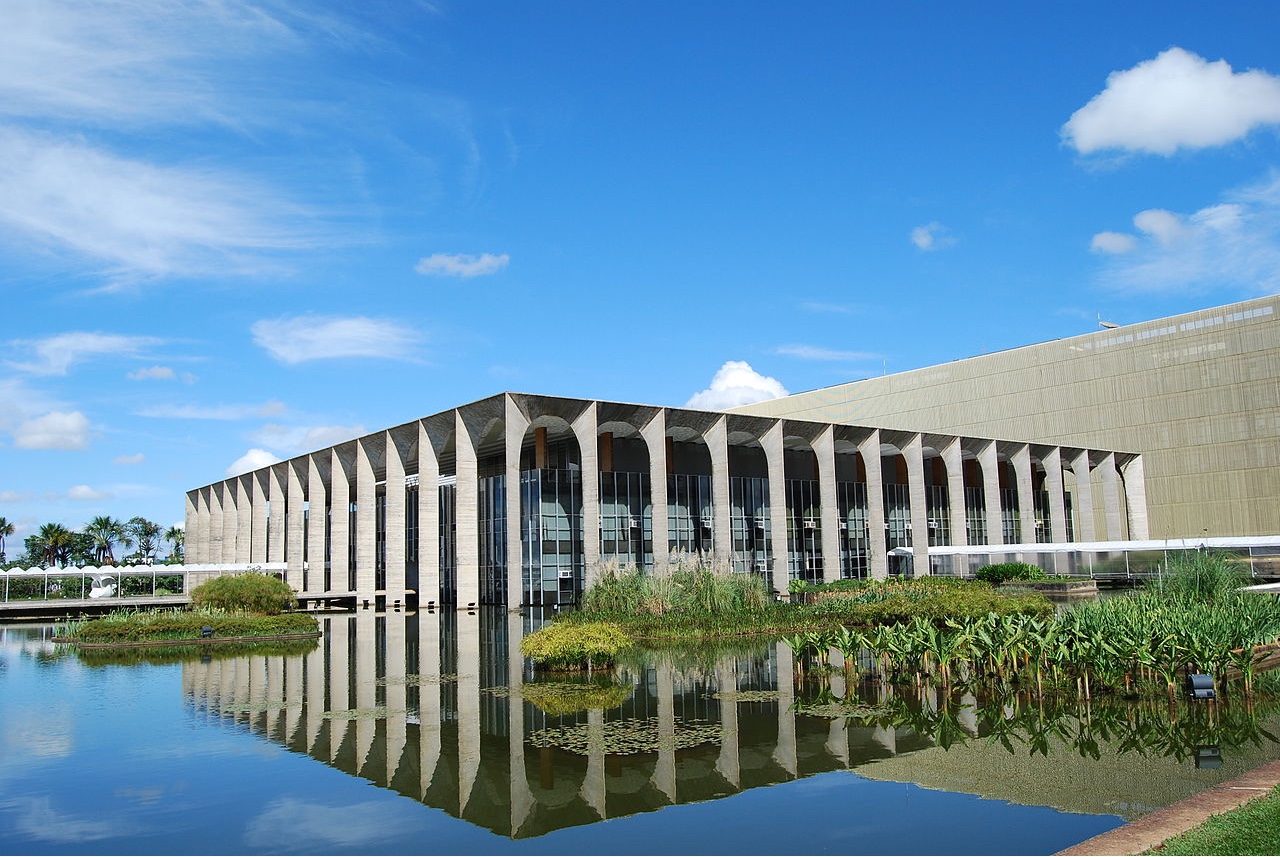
x,y
1202,576
998,573
251,592
574,646
125,626
563,698
696,586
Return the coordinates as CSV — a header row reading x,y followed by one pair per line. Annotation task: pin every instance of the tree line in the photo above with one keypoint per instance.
x,y
54,545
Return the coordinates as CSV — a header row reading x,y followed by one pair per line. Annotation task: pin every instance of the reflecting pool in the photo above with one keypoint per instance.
x,y
427,733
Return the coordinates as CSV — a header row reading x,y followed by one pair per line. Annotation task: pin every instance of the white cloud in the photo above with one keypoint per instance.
x,y
321,829
212,412
54,355
810,352
932,236
293,440
461,265
157,373
1232,244
1177,100
14,496
84,492
251,460
303,338
1113,243
736,384
57,430
20,402
136,458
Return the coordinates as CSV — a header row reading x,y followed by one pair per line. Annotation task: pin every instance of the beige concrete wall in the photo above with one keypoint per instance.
x,y
1198,395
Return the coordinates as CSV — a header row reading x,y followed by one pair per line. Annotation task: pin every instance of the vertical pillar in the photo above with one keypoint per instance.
x,y
913,453
784,752
989,460
954,462
521,796
396,575
584,429
824,449
1111,497
729,763
258,548
313,668
778,513
516,425
339,524
1057,494
664,772
339,680
717,438
366,535
275,521
1135,498
468,706
428,521
190,524
230,520
1086,530
467,502
877,558
197,544
295,524
366,691
397,691
429,669
244,518
318,498
215,523
654,433
1026,499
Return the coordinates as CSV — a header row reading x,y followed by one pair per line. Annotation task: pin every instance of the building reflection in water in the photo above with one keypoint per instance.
x,y
432,705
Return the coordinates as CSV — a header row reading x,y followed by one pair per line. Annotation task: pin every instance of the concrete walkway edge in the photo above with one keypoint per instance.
x,y
1151,830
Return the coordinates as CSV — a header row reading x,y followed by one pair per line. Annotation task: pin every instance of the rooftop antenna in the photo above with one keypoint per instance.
x,y
1106,324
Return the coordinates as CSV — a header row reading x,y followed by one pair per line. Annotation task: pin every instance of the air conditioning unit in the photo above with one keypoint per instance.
x,y
566,574
810,524
706,523
844,526
760,523
633,523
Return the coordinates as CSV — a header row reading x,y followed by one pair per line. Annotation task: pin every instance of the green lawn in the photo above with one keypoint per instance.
x,y
1252,829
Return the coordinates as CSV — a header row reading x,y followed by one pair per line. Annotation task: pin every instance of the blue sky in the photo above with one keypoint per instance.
x,y
233,232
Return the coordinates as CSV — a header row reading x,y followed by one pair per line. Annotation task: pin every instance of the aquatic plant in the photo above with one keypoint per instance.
x,y
252,592
574,646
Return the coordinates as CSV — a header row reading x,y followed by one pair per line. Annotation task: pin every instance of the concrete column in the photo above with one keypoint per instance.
x,y
913,453
593,791
313,666
780,572
339,680
584,429
956,519
1087,529
244,518
824,449
396,575
717,438
318,497
295,523
190,522
428,699
989,460
339,524
1111,497
784,752
1135,498
215,523
230,520
655,438
428,520
366,688
276,521
1026,499
197,543
467,504
877,557
366,535
258,548
1057,495
664,772
521,796
516,425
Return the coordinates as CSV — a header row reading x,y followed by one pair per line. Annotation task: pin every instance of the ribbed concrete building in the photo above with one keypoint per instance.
x,y
1198,395
520,499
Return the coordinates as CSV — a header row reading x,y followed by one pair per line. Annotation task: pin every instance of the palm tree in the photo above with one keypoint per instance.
x,y
52,542
176,536
6,529
105,532
145,534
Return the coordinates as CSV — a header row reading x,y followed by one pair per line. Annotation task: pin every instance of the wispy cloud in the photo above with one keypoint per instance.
x,y
1233,244
293,440
65,430
299,339
129,460
250,461
56,354
212,412
812,352
735,384
932,237
86,494
815,306
1177,100
158,373
461,265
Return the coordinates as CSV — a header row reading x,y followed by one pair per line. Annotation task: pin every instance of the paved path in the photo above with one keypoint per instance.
x,y
1152,830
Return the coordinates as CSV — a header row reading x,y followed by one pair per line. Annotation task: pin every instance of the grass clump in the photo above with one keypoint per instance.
x,y
251,592
569,647
1251,829
691,587
1208,576
934,599
563,698
160,625
999,572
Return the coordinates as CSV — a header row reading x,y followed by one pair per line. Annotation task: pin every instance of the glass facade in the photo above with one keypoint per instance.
x,y
804,531
1010,519
492,501
626,519
975,515
749,524
448,543
552,564
938,511
852,500
690,519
